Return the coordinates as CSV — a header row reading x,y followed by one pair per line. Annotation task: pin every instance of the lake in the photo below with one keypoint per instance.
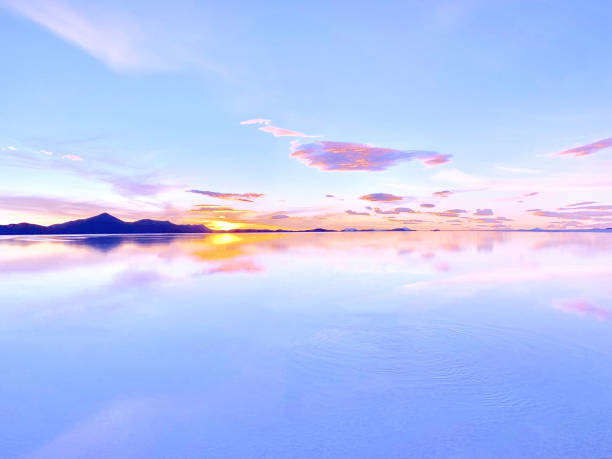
x,y
360,345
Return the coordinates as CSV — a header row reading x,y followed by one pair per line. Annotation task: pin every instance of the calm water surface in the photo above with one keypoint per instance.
x,y
376,345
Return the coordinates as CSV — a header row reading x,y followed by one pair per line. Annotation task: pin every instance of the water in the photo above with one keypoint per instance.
x,y
448,344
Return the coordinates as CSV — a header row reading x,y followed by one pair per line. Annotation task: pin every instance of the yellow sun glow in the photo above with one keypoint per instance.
x,y
222,225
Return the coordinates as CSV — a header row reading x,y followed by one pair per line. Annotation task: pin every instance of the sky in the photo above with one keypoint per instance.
x,y
461,114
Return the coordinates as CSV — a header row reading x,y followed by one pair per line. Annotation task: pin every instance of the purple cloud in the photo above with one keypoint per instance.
x,y
443,194
428,206
347,156
381,197
483,212
585,150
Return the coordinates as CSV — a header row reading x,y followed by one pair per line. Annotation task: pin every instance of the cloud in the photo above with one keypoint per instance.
x,y
131,39
483,212
443,194
598,207
381,197
352,212
275,130
256,121
12,148
281,132
347,156
215,209
583,203
580,215
582,307
397,210
585,150
428,206
329,196
72,157
279,216
46,152
245,197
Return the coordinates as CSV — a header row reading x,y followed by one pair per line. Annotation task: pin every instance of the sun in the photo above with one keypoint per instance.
x,y
222,225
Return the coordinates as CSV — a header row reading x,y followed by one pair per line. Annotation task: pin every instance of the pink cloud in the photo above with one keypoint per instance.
x,y
256,121
347,156
443,194
281,132
583,203
381,197
585,150
275,130
583,307
72,157
428,206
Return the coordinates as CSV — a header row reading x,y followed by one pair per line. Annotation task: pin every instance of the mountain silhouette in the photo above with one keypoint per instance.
x,y
102,224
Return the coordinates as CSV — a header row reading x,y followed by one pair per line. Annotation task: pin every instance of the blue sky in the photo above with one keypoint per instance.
x,y
139,102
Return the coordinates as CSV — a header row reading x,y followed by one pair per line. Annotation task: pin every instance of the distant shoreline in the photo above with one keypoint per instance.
x,y
107,225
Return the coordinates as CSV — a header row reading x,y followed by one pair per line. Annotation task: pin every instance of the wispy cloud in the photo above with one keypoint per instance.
x,y
72,157
123,39
585,150
428,206
347,156
275,130
381,197
12,148
256,121
352,212
583,203
584,308
397,210
281,132
212,208
574,215
245,197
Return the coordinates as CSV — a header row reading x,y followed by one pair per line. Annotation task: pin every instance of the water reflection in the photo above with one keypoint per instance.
x,y
306,345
